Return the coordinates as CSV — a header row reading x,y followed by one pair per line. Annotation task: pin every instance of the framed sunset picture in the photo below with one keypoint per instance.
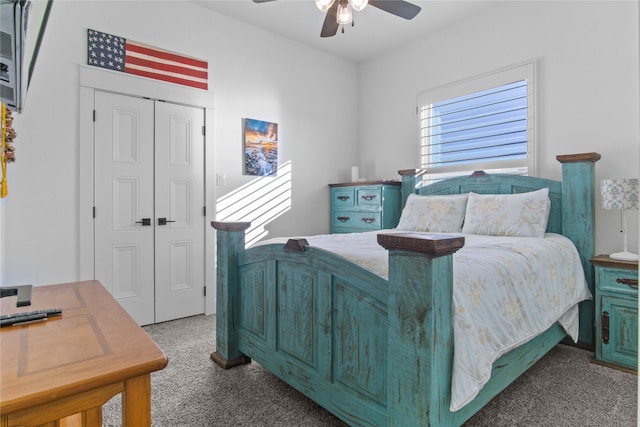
x,y
260,148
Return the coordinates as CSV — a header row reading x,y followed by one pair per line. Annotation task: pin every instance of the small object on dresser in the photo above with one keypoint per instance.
x,y
616,308
355,174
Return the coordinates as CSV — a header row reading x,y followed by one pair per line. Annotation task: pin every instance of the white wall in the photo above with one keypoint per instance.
x,y
252,73
588,92
587,89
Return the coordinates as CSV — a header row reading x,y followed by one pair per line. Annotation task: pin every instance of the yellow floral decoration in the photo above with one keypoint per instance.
x,y
7,154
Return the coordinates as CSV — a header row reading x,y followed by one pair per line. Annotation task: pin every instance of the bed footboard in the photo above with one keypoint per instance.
x,y
359,345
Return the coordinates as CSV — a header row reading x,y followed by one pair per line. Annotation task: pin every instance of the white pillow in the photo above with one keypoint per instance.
x,y
442,214
522,214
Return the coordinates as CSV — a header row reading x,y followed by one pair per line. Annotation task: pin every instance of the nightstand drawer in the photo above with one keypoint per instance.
x,y
618,280
360,220
369,196
343,198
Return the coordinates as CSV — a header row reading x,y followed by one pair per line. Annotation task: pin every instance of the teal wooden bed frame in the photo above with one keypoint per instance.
x,y
378,352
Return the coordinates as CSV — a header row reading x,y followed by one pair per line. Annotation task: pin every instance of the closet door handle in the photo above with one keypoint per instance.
x,y
163,221
145,221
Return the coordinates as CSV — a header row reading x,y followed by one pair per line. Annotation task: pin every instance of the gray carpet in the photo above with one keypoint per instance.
x,y
563,389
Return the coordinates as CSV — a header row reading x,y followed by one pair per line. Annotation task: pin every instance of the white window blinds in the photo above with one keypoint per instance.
x,y
484,123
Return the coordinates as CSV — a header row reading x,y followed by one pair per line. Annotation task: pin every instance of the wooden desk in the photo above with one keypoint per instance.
x,y
75,362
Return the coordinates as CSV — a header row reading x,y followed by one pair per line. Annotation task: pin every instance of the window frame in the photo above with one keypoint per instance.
x,y
522,71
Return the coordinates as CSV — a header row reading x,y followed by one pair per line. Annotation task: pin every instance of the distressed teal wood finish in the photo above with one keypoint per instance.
x,y
578,224
230,244
365,206
420,349
616,311
374,352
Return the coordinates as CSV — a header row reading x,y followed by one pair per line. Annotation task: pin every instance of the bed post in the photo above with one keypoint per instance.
x,y
578,223
411,178
420,301
230,244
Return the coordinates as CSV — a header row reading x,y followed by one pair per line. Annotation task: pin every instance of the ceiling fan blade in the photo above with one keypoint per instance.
x,y
261,1
330,25
399,8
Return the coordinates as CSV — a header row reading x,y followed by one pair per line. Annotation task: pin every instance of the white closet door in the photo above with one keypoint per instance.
x,y
149,202
179,200
123,188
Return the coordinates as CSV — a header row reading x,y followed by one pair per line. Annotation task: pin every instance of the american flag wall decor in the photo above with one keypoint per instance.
x,y
120,54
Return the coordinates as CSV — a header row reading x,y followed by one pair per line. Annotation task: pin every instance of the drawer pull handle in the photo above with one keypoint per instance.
x,y
368,220
368,197
343,218
632,283
343,198
605,327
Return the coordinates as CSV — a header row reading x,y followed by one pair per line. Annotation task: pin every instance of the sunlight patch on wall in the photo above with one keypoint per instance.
x,y
259,202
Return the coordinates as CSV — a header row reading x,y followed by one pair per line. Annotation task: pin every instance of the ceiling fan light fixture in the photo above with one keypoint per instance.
x,y
324,5
344,15
358,5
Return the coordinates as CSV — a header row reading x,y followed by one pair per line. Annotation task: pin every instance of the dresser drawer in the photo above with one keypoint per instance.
x,y
369,196
356,220
343,197
618,280
364,206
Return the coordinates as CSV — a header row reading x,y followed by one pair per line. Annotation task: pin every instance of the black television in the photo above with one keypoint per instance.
x,y
22,25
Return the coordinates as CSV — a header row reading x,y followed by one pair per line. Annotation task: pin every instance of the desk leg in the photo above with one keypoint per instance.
x,y
136,402
92,417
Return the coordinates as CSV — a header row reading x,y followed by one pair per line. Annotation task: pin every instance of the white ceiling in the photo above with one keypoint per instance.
x,y
375,31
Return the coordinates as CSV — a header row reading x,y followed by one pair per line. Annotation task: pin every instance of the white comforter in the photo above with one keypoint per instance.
x,y
507,290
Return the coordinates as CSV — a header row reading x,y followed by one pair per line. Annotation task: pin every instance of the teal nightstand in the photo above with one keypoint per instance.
x,y
616,309
364,206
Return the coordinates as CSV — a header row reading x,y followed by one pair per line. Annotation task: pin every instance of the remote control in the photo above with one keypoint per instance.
x,y
47,312
21,319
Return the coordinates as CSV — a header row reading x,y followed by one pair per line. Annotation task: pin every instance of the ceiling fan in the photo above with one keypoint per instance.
x,y
338,12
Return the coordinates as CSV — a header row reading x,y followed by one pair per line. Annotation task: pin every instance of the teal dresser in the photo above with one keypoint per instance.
x,y
616,301
364,206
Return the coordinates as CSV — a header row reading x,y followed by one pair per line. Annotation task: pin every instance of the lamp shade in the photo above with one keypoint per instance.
x,y
619,193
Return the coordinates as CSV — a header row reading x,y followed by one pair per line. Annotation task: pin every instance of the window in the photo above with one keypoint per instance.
x,y
484,123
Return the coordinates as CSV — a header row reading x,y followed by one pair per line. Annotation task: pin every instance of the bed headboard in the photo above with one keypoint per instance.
x,y
483,183
572,206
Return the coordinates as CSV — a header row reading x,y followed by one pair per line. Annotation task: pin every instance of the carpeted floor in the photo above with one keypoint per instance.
x,y
563,389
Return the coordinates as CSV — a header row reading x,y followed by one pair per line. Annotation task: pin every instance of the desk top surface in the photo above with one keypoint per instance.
x,y
93,343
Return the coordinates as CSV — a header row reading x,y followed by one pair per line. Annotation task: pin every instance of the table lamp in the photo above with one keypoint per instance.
x,y
621,194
